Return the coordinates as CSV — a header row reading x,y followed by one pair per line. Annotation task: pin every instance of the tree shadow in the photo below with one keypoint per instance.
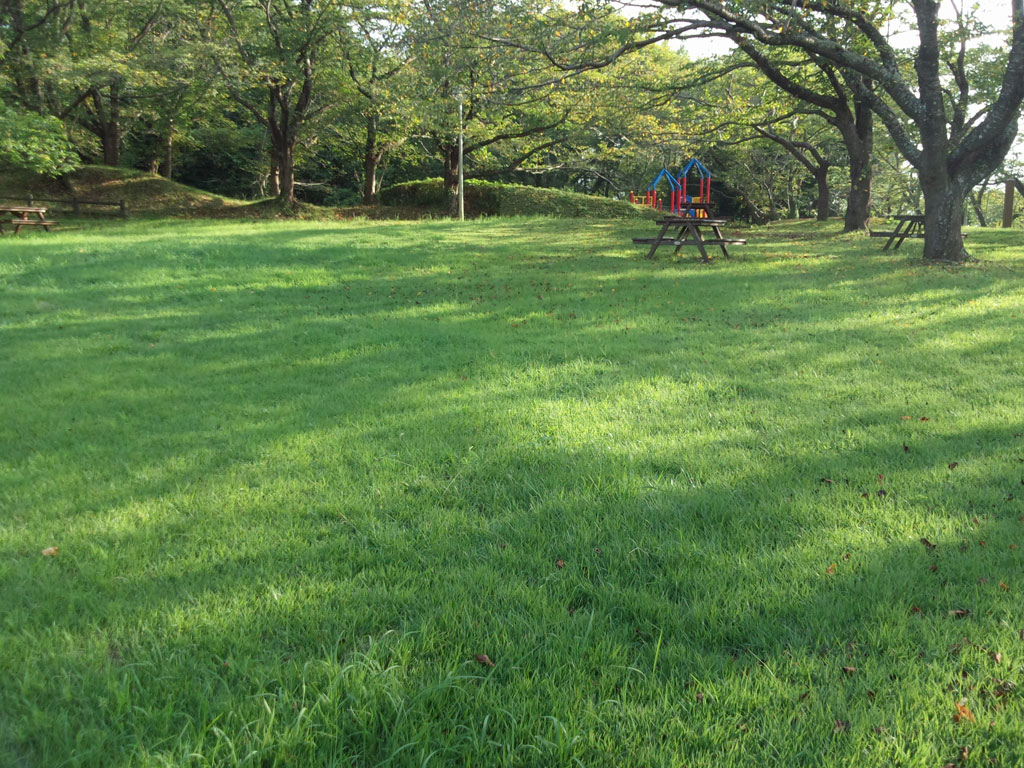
x,y
279,496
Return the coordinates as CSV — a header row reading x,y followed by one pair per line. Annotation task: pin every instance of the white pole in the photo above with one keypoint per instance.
x,y
462,198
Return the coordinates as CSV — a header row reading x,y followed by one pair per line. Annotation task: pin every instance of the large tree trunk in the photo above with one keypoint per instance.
x,y
274,176
943,219
107,123
371,157
859,138
111,138
286,158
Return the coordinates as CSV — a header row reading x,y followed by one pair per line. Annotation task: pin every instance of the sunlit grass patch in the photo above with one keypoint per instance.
x,y
302,474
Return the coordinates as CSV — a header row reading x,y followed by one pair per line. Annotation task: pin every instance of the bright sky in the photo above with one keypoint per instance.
x,y
994,13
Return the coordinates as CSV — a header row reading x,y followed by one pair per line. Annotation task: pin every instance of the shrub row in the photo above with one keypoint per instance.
x,y
484,198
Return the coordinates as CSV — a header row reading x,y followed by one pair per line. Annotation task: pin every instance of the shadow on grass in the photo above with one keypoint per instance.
x,y
309,499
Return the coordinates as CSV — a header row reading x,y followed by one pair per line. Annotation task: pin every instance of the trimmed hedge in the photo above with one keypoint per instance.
x,y
484,198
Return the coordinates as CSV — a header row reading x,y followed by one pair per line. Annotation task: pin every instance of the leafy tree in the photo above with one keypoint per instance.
x,y
379,68
952,143
280,61
35,142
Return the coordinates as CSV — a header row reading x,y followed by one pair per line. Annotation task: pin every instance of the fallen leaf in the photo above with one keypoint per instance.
x,y
827,481
484,659
1005,588
915,609
963,713
51,551
700,698
871,694
904,418
959,613
925,418
840,726
997,657
933,568
954,465
906,448
831,569
846,556
560,563
849,670
927,543
982,544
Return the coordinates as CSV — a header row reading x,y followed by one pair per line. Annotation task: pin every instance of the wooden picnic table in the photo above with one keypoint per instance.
x,y
907,225
686,230
22,217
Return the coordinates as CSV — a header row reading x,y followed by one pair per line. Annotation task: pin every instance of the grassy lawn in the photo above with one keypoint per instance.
x,y
301,475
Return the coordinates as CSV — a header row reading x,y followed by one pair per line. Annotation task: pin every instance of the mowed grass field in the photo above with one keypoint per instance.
x,y
508,494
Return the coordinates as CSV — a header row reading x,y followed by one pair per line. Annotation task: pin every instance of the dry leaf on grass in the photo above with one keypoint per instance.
x,y
962,713
484,659
51,551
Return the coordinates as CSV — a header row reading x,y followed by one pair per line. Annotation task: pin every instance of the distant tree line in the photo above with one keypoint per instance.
x,y
814,112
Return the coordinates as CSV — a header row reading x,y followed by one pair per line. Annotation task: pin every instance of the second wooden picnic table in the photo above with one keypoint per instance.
x,y
907,225
22,217
686,230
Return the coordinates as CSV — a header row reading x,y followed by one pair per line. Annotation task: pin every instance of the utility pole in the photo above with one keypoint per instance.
x,y
462,196
1008,204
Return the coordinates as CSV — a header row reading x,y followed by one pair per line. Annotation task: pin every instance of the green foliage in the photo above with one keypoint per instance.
x,y
301,475
35,143
485,198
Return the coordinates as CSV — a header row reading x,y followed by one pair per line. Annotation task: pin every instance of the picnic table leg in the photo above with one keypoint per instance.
x,y
910,230
657,240
895,234
700,241
682,238
718,236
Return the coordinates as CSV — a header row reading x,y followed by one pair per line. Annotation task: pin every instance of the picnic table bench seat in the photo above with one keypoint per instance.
x,y
677,242
879,233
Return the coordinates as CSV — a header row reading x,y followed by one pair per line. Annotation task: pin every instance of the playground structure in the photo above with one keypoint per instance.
x,y
677,196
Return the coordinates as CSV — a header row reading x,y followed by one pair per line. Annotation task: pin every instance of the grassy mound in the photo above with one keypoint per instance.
x,y
485,198
144,193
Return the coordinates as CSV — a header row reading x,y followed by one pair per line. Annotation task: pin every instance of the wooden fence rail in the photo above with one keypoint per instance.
x,y
77,203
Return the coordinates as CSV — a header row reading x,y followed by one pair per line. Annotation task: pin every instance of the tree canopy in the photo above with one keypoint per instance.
x,y
322,100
